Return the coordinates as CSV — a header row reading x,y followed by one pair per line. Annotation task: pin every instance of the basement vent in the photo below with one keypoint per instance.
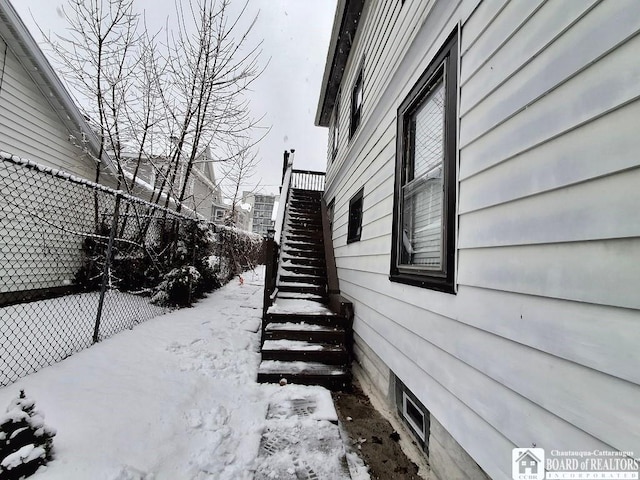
x,y
413,413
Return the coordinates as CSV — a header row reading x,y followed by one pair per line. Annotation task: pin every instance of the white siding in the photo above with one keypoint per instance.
x,y
539,345
30,128
39,248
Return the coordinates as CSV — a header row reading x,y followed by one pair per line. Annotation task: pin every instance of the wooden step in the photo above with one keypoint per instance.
x,y
311,244
288,260
333,377
310,254
304,199
309,279
309,238
302,223
305,270
302,288
312,213
303,220
304,296
329,321
304,331
289,350
301,245
305,210
297,253
311,196
304,236
303,230
305,191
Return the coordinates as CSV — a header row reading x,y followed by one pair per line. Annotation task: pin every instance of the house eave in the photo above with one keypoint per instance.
x,y
29,54
345,26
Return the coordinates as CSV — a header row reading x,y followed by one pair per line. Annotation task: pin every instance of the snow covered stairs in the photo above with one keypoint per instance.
x,y
304,342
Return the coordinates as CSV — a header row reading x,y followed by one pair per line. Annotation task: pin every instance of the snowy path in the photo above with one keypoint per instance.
x,y
174,398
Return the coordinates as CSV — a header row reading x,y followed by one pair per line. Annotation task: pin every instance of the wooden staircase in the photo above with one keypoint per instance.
x,y
306,330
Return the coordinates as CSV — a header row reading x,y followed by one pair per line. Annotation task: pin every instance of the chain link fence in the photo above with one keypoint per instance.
x,y
80,262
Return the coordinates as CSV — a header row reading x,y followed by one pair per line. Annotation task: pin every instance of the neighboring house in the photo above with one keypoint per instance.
x,y
39,253
38,119
261,211
484,180
203,194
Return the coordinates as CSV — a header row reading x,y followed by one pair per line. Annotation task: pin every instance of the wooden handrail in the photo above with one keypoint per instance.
x,y
337,303
284,198
274,238
311,172
332,271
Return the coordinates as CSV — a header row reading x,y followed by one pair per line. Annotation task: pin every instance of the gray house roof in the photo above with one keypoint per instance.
x,y
29,54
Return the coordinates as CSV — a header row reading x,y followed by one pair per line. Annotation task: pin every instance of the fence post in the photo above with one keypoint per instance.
x,y
107,266
194,232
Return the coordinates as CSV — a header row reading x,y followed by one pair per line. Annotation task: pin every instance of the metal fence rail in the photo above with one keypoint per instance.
x,y
78,263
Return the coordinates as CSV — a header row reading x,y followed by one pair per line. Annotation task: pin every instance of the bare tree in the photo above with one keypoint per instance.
x,y
236,173
98,59
161,103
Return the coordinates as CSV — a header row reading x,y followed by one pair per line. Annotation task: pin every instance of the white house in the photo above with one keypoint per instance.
x,y
484,180
39,253
203,194
38,119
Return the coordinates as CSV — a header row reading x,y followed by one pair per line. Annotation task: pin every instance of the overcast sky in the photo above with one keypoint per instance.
x,y
295,36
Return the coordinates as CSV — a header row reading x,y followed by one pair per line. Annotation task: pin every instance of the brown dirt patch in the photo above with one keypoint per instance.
x,y
375,437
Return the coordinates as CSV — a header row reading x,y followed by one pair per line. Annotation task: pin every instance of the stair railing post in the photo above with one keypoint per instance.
x,y
285,164
269,274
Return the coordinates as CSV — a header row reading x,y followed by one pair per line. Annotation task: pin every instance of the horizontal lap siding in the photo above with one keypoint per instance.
x,y
548,225
498,391
579,212
30,128
539,342
45,222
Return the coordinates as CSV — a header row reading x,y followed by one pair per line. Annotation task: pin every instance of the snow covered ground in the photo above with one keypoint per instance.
x,y
173,398
36,334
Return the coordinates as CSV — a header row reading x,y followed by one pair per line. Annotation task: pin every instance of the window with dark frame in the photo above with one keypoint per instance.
x,y
356,104
424,200
354,229
335,128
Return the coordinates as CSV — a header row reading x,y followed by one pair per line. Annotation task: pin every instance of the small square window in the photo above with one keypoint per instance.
x,y
357,96
355,217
